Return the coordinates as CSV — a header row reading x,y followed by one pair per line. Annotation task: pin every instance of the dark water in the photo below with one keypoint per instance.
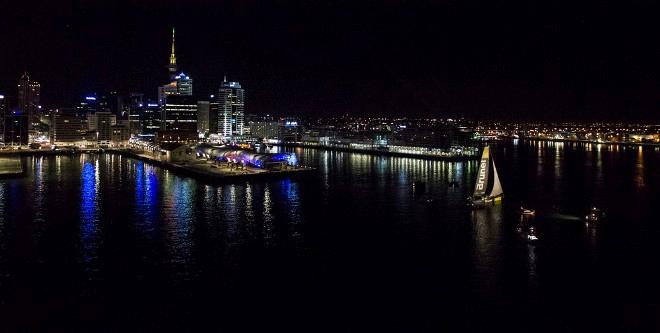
x,y
106,243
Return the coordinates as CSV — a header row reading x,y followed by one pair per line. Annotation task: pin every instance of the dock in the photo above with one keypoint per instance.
x,y
218,172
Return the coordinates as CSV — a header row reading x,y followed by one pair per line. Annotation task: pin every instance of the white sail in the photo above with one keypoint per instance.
x,y
497,187
482,174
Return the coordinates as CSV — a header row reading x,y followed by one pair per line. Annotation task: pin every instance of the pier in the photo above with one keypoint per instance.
x,y
438,154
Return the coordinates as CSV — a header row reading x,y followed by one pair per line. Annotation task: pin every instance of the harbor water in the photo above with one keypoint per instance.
x,y
102,242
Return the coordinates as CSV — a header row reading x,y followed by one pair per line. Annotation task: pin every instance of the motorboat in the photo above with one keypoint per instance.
x,y
594,215
527,212
531,235
487,188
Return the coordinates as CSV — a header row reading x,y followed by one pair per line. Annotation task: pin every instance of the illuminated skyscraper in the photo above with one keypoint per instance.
x,y
231,115
28,99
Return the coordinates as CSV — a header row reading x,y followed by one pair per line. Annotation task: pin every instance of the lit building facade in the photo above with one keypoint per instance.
x,y
265,129
203,116
231,109
67,128
29,97
179,114
150,118
3,112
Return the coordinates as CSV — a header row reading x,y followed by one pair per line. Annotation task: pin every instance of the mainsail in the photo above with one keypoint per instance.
x,y
482,174
482,188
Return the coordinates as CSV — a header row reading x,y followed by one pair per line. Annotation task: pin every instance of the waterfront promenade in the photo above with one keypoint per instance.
x,y
216,171
202,169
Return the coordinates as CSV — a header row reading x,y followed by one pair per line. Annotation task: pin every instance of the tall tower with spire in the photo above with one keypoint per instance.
x,y
172,66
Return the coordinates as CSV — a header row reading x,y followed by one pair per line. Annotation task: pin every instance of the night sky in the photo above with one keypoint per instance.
x,y
513,60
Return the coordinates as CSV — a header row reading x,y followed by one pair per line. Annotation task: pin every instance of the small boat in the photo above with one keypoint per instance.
x,y
594,215
487,189
531,235
527,212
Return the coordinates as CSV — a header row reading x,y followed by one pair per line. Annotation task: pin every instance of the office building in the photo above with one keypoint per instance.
x,y
203,108
120,135
265,129
179,114
15,129
3,111
67,128
135,106
150,118
29,95
231,112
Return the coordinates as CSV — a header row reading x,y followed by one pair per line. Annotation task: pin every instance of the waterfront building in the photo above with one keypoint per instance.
x,y
231,112
29,96
102,123
67,128
120,135
290,129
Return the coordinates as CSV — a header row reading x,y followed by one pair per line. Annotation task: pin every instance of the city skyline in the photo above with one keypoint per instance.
x,y
430,59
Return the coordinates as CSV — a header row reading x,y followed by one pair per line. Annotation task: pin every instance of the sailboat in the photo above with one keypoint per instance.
x,y
487,189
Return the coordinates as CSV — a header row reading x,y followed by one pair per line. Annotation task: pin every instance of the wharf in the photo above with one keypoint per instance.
x,y
450,158
212,172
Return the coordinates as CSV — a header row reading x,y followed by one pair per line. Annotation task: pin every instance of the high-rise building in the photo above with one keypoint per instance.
x,y
16,129
203,117
150,119
231,116
135,107
3,111
29,95
66,127
184,85
102,123
179,114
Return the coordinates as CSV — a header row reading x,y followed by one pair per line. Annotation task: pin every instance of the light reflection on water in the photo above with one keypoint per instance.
x,y
357,220
89,209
